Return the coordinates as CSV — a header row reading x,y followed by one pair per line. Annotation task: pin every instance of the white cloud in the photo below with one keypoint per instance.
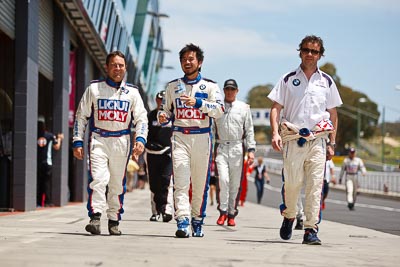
x,y
237,7
217,42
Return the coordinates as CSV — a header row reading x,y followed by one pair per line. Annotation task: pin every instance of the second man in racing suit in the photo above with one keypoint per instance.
x,y
234,134
191,102
352,165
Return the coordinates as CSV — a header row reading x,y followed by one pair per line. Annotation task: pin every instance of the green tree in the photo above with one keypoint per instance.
x,y
257,97
348,112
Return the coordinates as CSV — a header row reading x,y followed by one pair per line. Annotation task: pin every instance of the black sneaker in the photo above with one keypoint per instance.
x,y
310,237
286,228
113,227
166,217
351,206
154,217
299,224
94,225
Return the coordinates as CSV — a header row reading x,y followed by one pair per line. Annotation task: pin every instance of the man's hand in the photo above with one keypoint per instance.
x,y
188,101
137,150
60,136
162,117
250,158
78,153
276,142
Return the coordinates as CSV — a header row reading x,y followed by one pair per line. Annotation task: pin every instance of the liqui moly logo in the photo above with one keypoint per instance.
x,y
185,112
112,110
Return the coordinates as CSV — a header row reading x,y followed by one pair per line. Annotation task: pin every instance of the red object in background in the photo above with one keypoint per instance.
x,y
247,170
72,88
190,191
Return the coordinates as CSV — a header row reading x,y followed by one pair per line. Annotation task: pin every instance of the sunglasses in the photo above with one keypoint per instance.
x,y
312,51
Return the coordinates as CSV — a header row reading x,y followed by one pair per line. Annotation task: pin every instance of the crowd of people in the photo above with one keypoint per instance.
x,y
199,140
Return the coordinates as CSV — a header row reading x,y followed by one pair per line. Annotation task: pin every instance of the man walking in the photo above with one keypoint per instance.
x,y
234,135
191,102
111,107
351,166
308,98
159,162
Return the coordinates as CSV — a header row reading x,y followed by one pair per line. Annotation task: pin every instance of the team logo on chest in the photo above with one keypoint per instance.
x,y
187,112
112,110
296,82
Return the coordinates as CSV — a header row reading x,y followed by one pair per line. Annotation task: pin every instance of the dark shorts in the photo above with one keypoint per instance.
x,y
213,180
325,189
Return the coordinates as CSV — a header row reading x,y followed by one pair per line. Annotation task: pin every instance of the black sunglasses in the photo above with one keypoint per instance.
x,y
308,50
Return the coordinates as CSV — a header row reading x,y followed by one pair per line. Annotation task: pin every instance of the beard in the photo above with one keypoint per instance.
x,y
190,73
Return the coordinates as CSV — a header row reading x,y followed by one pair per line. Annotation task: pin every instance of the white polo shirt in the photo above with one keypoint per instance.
x,y
305,102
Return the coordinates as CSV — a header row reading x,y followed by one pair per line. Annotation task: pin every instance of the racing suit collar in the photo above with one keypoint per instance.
x,y
112,83
187,81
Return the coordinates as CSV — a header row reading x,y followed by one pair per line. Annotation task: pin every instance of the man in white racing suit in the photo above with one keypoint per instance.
x,y
308,98
190,103
111,107
352,165
234,134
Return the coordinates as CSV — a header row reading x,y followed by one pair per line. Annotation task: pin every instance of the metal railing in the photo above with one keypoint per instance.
x,y
385,183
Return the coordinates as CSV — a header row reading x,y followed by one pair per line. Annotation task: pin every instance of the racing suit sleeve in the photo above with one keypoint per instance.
x,y
362,167
249,131
214,105
139,118
83,113
342,171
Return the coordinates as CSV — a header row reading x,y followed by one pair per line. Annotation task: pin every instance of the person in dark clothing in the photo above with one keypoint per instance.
x,y
46,142
159,162
261,176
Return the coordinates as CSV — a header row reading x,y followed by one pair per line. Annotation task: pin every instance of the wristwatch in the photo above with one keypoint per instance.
x,y
332,144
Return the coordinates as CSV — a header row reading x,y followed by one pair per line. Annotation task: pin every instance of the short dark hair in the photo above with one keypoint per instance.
x,y
114,54
313,39
194,48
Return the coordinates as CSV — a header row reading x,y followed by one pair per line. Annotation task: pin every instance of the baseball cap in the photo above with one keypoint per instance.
x,y
230,83
352,150
160,95
41,119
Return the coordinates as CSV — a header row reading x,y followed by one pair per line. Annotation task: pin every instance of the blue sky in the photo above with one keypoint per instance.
x,y
255,41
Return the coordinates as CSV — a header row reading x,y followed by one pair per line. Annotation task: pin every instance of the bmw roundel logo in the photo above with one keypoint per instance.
x,y
296,82
202,86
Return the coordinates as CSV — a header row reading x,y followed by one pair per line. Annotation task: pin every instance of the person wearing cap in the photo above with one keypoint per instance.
x,y
190,103
46,142
307,98
159,162
234,135
351,166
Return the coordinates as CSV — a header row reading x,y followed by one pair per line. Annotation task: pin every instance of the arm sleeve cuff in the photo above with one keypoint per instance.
x,y
199,102
77,144
141,139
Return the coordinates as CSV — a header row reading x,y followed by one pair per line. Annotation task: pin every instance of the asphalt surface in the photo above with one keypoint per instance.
x,y
56,237
371,211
